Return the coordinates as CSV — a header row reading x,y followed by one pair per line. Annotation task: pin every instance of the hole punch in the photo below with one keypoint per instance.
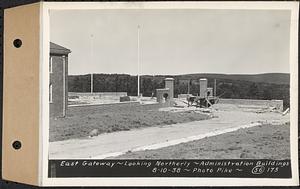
x,y
17,43
17,145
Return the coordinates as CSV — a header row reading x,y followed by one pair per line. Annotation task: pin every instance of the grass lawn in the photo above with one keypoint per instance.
x,y
266,141
81,121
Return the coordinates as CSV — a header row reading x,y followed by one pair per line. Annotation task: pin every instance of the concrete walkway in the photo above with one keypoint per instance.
x,y
114,144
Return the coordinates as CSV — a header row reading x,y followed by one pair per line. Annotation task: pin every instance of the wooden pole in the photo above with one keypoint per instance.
x,y
215,88
188,92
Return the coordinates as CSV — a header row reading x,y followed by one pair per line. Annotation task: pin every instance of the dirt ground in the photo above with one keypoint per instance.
x,y
80,123
266,141
225,118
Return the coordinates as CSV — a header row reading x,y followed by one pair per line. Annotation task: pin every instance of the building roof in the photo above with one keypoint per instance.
x,y
57,49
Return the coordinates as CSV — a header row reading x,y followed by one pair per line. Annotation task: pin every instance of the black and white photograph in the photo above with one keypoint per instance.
x,y
170,84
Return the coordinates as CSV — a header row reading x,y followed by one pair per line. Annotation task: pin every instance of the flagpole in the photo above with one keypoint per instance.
x,y
92,59
92,83
138,59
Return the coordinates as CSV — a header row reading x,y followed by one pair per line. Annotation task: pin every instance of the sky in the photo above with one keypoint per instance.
x,y
173,41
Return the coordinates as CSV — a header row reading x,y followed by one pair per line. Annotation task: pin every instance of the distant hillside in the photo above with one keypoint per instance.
x,y
274,78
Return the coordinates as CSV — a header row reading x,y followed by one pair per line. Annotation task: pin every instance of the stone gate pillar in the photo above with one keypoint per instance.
x,y
203,88
169,83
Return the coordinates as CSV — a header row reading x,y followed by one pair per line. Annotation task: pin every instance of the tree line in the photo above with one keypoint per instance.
x,y
226,88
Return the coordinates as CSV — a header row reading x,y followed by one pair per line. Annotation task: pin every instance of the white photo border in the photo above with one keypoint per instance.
x,y
165,181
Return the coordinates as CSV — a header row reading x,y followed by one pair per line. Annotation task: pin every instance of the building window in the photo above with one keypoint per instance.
x,y
51,65
50,94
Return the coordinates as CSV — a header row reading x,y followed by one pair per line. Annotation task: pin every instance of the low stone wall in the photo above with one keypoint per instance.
x,y
160,95
278,104
98,94
95,98
183,95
